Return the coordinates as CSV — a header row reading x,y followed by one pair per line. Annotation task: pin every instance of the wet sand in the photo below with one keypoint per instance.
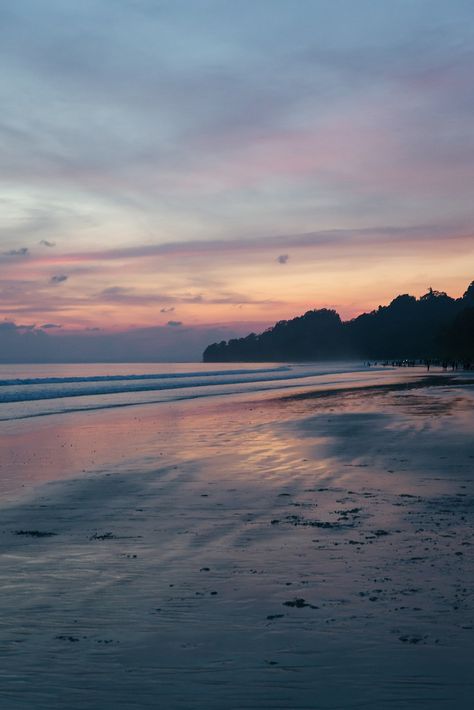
x,y
309,552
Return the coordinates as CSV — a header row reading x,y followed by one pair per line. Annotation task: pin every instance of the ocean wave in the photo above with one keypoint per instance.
x,y
128,385
39,395
18,382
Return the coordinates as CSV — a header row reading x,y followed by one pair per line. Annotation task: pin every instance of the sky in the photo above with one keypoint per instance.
x,y
199,169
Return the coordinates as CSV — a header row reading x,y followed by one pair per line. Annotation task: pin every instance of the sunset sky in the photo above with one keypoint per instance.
x,y
213,163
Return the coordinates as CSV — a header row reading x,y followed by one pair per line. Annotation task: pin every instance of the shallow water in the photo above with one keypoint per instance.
x,y
66,436
36,390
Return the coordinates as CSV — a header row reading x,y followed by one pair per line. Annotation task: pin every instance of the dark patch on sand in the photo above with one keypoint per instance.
x,y
35,533
299,603
103,536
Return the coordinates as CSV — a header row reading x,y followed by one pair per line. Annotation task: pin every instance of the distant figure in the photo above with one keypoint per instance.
x,y
428,364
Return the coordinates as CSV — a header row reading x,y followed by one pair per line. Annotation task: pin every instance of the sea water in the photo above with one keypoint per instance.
x,y
38,390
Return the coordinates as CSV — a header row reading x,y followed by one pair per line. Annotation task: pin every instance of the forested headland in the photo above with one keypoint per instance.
x,y
432,326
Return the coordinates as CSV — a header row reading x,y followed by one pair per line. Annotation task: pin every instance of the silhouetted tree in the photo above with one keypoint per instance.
x,y
406,328
457,341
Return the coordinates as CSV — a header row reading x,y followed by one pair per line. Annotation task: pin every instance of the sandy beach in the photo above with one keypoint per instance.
x,y
301,550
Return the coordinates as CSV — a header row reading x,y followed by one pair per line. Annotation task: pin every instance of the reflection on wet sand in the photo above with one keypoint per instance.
x,y
255,553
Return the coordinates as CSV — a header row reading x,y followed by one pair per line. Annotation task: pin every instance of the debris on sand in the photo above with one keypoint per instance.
x,y
299,603
103,536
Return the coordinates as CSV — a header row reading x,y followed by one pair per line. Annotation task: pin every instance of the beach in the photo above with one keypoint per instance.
x,y
306,545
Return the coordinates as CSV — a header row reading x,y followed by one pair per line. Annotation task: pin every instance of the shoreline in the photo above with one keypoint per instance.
x,y
300,552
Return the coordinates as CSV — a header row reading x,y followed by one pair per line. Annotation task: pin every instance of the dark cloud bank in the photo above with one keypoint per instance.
x,y
174,342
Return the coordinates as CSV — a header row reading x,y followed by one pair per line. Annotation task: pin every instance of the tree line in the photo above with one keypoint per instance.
x,y
434,326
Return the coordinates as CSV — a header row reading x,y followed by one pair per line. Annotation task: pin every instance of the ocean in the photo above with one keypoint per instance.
x,y
39,390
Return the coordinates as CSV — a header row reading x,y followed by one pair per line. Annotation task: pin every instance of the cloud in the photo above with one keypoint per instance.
x,y
7,326
174,323
23,251
193,142
131,296
115,293
10,326
175,111
121,294
158,344
218,250
58,278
